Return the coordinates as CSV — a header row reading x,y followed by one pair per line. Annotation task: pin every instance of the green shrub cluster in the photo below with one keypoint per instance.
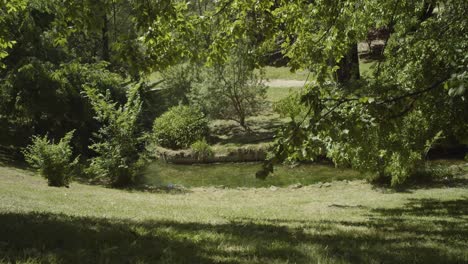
x,y
52,160
119,147
202,150
179,127
118,143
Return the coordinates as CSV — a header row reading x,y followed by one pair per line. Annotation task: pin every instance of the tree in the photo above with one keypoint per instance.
x,y
383,124
231,90
50,49
8,10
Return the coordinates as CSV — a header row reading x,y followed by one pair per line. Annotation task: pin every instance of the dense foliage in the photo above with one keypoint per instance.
x,y
382,123
179,127
173,88
291,107
119,144
52,160
51,50
385,123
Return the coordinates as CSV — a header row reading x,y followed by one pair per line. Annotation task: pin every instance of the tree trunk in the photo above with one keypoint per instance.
x,y
427,12
349,66
242,122
105,39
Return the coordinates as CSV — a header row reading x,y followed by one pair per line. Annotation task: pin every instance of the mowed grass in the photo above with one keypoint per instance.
x,y
284,73
344,223
232,175
275,94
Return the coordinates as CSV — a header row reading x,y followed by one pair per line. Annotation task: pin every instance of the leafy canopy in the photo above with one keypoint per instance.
x,y
382,124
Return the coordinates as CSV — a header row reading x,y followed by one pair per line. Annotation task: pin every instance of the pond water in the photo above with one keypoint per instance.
x,y
242,175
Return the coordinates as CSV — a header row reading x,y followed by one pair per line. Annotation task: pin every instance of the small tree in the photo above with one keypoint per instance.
x,y
53,161
231,90
118,144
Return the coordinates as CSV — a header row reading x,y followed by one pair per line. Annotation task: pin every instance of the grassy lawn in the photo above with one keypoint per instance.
x,y
274,94
344,223
284,73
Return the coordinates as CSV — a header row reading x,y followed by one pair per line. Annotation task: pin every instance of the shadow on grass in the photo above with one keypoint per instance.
x,y
64,239
423,231
430,208
457,181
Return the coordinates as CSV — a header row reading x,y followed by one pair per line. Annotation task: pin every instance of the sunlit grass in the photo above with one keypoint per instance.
x,y
274,94
284,73
345,223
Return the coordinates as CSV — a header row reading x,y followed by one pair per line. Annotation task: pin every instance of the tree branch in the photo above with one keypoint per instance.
x,y
397,98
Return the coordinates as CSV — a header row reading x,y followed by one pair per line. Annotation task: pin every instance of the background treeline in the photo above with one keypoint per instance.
x,y
84,66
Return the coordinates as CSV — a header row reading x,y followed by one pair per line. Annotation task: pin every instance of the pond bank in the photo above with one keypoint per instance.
x,y
229,155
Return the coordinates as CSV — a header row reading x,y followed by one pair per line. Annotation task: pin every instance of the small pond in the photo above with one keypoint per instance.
x,y
234,175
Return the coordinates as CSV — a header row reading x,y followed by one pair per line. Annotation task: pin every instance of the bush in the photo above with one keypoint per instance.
x,y
53,161
179,127
119,144
202,149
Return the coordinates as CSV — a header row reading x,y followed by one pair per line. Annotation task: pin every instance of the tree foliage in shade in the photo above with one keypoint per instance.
x,y
9,9
50,49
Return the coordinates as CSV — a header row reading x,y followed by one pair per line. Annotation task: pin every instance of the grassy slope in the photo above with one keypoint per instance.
x,y
345,223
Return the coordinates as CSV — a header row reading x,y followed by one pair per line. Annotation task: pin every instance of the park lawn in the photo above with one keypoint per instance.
x,y
274,94
284,73
350,222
